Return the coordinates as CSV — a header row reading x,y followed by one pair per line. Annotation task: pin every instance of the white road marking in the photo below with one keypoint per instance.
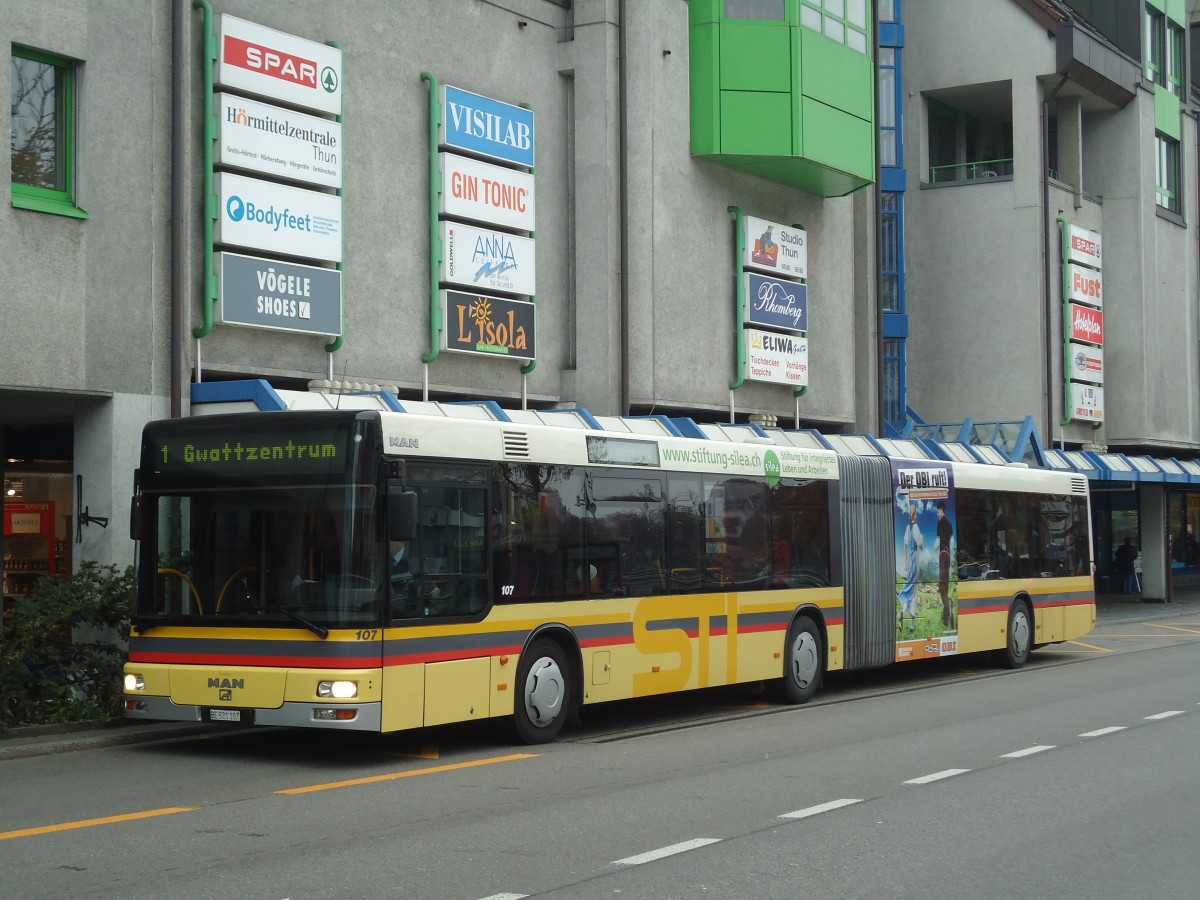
x,y
1028,751
817,810
1103,731
1164,715
937,776
662,852
506,897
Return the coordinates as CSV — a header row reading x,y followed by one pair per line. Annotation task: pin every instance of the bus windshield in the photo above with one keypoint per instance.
x,y
270,555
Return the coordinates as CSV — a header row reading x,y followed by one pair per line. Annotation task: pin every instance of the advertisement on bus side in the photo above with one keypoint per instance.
x,y
926,536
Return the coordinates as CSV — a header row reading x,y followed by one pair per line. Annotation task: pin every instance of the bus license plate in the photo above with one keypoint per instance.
x,y
229,715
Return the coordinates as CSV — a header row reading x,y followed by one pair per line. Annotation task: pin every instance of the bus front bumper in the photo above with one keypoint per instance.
x,y
343,716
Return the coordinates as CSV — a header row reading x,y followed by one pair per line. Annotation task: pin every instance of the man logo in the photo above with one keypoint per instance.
x,y
235,208
225,694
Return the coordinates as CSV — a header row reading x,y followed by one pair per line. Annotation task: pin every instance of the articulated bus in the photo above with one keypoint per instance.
x,y
379,570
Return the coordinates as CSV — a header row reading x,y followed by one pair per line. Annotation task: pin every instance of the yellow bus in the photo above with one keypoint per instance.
x,y
382,570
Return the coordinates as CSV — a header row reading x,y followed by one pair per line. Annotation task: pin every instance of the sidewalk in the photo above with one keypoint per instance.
x,y
38,740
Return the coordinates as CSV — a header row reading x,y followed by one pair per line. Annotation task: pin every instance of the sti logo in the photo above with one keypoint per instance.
x,y
274,63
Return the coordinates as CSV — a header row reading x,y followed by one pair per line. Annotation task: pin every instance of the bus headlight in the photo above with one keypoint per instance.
x,y
135,683
338,690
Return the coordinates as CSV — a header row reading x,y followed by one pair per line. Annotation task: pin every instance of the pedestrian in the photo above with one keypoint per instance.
x,y
1126,554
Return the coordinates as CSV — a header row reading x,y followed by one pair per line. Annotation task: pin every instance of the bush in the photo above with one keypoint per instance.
x,y
46,675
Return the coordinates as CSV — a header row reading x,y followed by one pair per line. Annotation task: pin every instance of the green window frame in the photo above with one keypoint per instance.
x,y
1166,172
42,135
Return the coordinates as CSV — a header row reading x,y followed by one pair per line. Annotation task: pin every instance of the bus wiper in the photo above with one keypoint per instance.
x,y
319,630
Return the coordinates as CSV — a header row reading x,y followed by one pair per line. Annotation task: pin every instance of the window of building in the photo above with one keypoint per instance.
x,y
42,132
1175,59
773,10
844,21
966,147
889,107
1156,26
1166,172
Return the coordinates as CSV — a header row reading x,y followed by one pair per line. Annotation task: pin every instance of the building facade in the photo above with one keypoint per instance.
x,y
1033,140
658,134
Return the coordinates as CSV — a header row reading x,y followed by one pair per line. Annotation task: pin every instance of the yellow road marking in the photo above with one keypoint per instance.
x,y
1091,647
88,823
433,770
1173,628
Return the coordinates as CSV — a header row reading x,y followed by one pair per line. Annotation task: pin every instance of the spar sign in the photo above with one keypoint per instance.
x,y
1083,246
279,66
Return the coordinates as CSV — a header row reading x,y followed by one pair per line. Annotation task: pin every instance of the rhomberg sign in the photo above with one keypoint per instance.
x,y
1087,324
493,326
280,66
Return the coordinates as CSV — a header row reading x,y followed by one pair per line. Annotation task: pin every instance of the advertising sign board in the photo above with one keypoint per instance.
x,y
1087,402
486,259
777,358
1084,246
779,249
267,293
773,303
262,215
1084,285
485,193
486,127
277,142
491,326
278,66
1087,324
1085,363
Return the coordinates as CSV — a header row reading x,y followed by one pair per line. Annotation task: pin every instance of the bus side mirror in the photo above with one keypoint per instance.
x,y
402,515
135,518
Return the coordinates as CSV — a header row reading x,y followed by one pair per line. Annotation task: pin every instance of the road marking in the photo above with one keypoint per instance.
x,y
391,776
1164,715
506,897
817,810
663,852
1028,751
88,823
1092,647
1103,731
937,776
1172,628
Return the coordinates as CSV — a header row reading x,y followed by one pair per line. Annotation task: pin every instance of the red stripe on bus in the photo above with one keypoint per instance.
x,y
300,662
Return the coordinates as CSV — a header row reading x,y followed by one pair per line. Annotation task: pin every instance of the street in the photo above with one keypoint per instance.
x,y
1076,776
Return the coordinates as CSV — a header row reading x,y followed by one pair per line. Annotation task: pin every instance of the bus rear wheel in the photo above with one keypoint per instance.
x,y
542,704
803,664
1019,638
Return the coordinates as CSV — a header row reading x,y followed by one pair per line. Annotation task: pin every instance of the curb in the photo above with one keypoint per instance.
x,y
40,740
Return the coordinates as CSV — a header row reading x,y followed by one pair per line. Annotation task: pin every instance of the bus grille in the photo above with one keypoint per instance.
x,y
516,445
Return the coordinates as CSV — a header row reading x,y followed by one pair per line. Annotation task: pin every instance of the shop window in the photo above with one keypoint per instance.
x,y
42,133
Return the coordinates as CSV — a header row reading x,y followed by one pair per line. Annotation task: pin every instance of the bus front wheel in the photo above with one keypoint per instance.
x,y
543,702
1019,638
803,663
